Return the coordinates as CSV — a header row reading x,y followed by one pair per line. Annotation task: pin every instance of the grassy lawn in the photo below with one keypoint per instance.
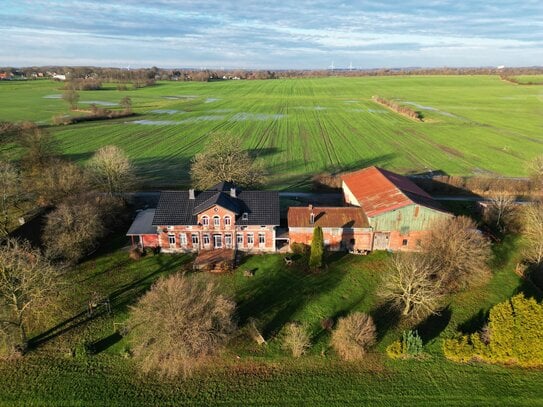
x,y
248,374
301,127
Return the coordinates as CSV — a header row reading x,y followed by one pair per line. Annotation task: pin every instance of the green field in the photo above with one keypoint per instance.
x,y
300,127
247,374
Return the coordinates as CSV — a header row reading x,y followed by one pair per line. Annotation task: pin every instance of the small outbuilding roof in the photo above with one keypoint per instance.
x,y
378,191
143,224
327,217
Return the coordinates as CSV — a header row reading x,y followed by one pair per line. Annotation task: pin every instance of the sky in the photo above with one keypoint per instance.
x,y
253,34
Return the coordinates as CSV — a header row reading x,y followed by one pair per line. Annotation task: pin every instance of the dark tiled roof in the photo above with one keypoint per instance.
x,y
222,186
218,198
328,217
143,224
175,207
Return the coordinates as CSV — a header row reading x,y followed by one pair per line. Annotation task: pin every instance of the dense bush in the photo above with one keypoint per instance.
x,y
317,249
178,323
406,111
409,346
514,336
354,335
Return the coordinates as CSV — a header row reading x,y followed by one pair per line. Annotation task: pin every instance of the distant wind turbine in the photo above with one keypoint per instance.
x,y
351,66
332,66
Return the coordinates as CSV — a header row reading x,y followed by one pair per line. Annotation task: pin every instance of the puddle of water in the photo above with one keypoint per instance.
x,y
166,111
430,108
180,97
154,122
202,119
211,100
56,96
98,102
240,117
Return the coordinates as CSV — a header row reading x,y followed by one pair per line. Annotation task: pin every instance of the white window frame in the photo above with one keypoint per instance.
x,y
239,239
206,240
228,240
227,221
195,239
250,239
183,239
170,238
262,239
217,238
216,221
205,220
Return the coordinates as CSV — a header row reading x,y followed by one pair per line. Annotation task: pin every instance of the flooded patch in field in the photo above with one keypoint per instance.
x,y
180,97
55,96
350,101
241,117
211,100
431,109
98,102
166,111
208,118
311,107
154,122
221,110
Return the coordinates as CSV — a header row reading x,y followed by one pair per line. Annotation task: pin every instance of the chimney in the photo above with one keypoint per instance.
x,y
233,192
191,193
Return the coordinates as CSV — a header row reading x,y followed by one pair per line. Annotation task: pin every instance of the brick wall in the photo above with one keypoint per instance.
x,y
333,238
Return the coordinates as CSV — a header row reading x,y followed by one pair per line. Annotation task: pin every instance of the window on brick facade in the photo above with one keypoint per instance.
x,y
206,240
404,242
171,240
239,238
228,240
194,239
250,238
182,239
205,220
216,220
227,220
262,239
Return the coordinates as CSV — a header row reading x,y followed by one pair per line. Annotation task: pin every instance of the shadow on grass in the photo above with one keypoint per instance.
x,y
119,300
431,327
385,318
276,296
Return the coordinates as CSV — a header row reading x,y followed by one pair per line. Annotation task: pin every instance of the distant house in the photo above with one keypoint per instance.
x,y
399,212
223,217
5,76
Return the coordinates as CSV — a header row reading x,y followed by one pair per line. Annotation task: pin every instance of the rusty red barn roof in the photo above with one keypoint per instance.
x,y
378,191
327,217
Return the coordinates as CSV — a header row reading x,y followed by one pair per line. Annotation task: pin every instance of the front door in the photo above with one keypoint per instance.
x,y
380,241
217,240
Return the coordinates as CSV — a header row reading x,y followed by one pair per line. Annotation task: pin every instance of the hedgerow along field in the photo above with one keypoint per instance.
x,y
301,127
249,374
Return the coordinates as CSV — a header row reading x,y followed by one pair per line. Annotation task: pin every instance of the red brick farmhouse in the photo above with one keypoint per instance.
x,y
382,211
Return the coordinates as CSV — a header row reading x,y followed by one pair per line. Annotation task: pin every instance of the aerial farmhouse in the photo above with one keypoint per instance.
x,y
382,211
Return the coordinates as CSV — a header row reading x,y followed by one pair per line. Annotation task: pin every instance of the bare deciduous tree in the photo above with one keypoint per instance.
x,y
111,170
71,97
126,104
458,251
39,147
535,169
296,339
10,194
501,211
411,287
224,159
354,335
177,323
532,219
29,288
59,180
72,231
